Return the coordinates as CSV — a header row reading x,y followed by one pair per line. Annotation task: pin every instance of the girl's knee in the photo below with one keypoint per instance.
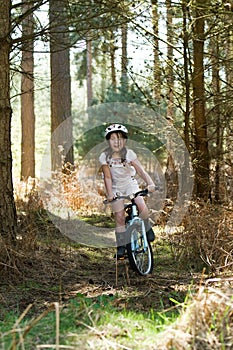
x,y
142,207
120,218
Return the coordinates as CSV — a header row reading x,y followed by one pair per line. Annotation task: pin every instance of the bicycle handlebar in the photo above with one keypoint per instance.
x,y
130,197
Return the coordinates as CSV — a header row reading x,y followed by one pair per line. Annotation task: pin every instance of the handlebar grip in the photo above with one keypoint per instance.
x,y
106,201
156,188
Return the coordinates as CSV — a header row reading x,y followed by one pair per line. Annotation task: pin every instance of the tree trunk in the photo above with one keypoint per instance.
x,y
170,60
27,99
8,219
156,65
104,67
217,116
89,72
124,57
229,110
112,58
186,76
202,182
171,171
62,138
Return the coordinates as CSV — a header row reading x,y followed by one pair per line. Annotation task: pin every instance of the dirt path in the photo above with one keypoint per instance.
x,y
57,272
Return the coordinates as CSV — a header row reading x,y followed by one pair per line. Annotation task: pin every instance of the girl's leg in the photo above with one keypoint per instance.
x,y
120,220
119,213
144,214
142,207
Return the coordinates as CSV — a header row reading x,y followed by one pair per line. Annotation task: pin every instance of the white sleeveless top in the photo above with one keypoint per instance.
x,y
123,181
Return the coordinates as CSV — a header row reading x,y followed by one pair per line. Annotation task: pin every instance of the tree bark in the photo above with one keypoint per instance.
x,y
112,58
8,220
229,110
171,171
156,64
186,76
27,98
62,137
217,116
89,71
201,169
124,57
170,60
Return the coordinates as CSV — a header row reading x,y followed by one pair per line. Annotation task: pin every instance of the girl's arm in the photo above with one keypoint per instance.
x,y
143,174
108,181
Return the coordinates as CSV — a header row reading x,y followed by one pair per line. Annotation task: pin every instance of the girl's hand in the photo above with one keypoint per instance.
x,y
151,188
110,198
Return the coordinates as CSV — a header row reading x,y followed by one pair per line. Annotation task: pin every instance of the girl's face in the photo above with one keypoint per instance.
x,y
117,141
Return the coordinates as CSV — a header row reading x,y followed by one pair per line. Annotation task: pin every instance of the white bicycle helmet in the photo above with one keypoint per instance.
x,y
115,128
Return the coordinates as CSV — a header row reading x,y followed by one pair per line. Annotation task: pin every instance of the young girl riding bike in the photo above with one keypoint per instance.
x,y
119,166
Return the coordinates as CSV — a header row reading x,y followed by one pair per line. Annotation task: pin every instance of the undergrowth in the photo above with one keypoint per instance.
x,y
84,321
206,239
43,261
204,322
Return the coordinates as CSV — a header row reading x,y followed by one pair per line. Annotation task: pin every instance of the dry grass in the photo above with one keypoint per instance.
x,y
207,236
206,323
34,223
67,190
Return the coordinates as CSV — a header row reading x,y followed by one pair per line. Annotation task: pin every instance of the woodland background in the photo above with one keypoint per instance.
x,y
61,59
185,73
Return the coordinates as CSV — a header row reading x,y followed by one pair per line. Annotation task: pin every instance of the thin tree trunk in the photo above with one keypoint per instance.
x,y
170,73
61,139
112,58
8,220
124,57
186,76
27,99
156,65
89,72
229,134
217,117
202,181
171,171
103,77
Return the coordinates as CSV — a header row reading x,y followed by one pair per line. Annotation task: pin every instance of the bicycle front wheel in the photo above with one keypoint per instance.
x,y
139,251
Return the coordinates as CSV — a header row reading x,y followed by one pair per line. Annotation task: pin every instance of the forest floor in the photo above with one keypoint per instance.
x,y
45,271
47,267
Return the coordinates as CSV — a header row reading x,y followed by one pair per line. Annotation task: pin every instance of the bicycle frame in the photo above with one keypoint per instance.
x,y
139,251
135,219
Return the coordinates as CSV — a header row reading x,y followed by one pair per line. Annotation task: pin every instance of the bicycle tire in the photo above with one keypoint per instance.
x,y
140,260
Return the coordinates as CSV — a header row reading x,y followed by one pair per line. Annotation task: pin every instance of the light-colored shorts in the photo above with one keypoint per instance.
x,y
124,189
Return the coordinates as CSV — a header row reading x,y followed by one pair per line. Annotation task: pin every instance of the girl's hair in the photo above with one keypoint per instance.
x,y
119,133
108,151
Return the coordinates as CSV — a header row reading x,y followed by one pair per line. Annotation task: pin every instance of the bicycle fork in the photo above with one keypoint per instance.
x,y
134,243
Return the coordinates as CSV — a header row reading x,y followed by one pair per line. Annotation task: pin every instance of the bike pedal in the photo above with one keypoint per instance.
x,y
121,258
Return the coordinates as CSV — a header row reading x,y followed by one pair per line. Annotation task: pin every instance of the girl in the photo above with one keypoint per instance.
x,y
119,167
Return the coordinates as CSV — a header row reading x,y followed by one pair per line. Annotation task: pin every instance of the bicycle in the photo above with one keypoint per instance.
x,y
139,250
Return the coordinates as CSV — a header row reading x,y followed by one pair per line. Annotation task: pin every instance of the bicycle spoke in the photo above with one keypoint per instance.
x,y
140,252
